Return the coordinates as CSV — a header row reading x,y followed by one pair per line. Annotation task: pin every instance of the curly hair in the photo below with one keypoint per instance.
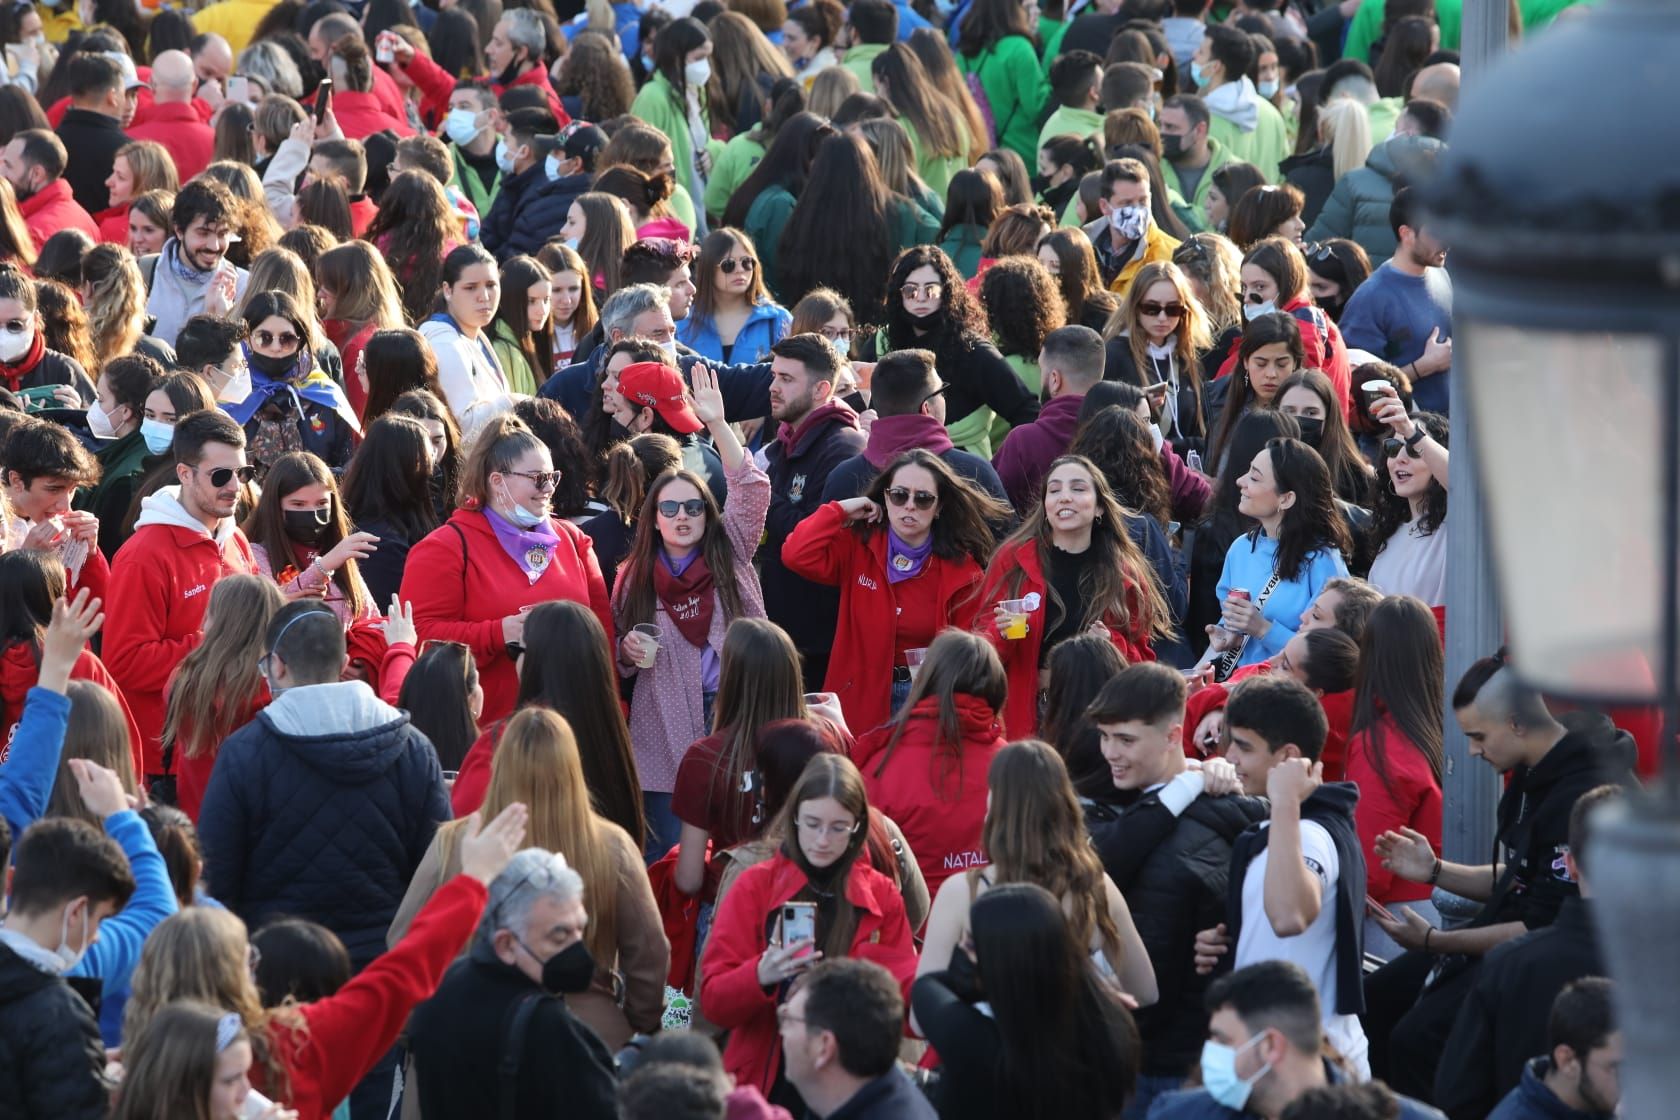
x,y
967,319
1016,231
1389,511
1122,448
64,323
1021,301
594,72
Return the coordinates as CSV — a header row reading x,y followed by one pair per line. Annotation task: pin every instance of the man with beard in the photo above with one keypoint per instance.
x,y
33,163
1403,312
1580,1077
190,274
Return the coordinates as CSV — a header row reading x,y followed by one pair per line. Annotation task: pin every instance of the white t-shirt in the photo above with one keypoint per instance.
x,y
1413,564
1314,950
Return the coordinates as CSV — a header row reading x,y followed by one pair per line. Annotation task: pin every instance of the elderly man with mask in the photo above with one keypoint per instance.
x,y
499,1023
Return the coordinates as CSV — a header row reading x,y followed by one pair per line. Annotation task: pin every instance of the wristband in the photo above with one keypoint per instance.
x,y
1426,934
1435,875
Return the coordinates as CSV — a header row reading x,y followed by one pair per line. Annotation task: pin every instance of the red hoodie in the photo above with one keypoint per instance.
x,y
20,669
1020,655
1411,798
162,576
866,647
938,804
53,208
1322,341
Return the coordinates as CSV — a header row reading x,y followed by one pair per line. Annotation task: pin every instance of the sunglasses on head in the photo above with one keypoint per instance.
x,y
286,340
1172,310
901,496
1396,447
730,264
694,507
221,476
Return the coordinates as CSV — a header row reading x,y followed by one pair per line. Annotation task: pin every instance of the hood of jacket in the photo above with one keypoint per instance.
x,y
1405,157
20,668
1539,1102
19,978
165,508
1593,745
1238,102
341,729
976,719
797,439
1227,816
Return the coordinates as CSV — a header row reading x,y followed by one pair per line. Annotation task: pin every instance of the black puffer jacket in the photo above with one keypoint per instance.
x,y
51,1060
1174,874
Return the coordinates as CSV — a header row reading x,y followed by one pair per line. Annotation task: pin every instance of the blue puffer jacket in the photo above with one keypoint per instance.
x,y
321,808
539,214
764,328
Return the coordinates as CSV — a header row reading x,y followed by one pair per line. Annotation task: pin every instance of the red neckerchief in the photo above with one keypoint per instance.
x,y
687,598
15,372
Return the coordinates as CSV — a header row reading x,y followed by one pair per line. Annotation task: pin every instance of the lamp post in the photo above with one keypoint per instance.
x,y
1563,213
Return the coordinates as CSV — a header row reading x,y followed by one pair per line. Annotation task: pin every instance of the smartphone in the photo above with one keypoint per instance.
x,y
1379,909
323,100
383,52
239,89
799,922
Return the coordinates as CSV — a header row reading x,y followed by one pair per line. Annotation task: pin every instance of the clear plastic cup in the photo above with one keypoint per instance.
x,y
650,635
914,659
1016,612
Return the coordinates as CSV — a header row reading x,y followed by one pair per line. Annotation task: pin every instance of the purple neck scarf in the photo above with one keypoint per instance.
x,y
904,562
531,549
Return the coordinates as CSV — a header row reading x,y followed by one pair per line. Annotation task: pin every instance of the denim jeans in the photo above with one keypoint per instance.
x,y
664,829
900,693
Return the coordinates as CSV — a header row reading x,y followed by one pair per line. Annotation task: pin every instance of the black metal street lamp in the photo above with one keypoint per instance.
x,y
1560,199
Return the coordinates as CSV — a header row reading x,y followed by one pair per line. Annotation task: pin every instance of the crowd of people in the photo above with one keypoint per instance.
x,y
733,559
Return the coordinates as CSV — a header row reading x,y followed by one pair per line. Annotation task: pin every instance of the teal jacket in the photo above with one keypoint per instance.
x,y
659,105
1358,203
962,244
1017,90
766,218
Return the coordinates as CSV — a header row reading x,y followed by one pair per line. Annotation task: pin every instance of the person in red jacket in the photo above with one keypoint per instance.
x,y
1275,278
357,108
515,55
1072,550
310,1055
34,163
906,557
1395,751
332,29
43,465
754,954
184,541
927,769
502,552
173,122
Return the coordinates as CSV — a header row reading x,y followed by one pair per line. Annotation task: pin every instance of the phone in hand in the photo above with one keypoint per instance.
x,y
323,100
1379,910
239,89
799,922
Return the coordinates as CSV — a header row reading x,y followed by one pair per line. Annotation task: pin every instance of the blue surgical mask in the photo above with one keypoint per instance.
x,y
551,167
521,516
1197,74
573,242
461,125
1268,90
504,157
843,346
159,436
1219,1073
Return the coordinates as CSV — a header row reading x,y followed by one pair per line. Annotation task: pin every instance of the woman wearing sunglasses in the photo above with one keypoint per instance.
x,y
1155,341
733,318
1275,278
293,405
688,574
906,557
1409,515
500,553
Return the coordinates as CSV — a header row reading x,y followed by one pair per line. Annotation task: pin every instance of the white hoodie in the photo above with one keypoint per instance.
x,y
164,508
1237,102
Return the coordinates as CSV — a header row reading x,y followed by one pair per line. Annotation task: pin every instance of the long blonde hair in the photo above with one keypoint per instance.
x,y
1346,128
1190,339
115,298
537,763
218,681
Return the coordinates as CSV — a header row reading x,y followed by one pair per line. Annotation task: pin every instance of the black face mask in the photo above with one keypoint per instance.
x,y
1332,308
932,321
1172,146
273,367
1039,183
307,526
856,401
569,971
1312,429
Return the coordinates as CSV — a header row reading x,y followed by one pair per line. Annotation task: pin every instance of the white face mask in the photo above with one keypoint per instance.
x,y
237,388
53,962
99,422
1255,310
15,344
1156,437
462,126
698,73
670,348
551,167
1130,221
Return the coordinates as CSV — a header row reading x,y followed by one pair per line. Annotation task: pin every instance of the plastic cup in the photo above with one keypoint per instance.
x,y
1374,390
1015,618
650,635
914,659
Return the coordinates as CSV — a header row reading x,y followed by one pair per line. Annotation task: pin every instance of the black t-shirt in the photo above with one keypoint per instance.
x,y
1065,568
483,166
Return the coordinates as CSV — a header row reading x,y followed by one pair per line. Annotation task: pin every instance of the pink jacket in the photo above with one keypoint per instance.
x,y
667,713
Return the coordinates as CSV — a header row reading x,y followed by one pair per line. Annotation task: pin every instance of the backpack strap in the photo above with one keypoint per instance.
x,y
463,538
513,1050
148,269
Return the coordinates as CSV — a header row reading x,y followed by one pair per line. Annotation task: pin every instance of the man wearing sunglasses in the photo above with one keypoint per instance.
x,y
184,541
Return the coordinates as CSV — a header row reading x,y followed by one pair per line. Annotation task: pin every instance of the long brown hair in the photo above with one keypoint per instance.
x,y
559,257
963,528
1190,340
170,1068
267,523
1349,472
537,763
16,245
720,244
219,681
832,776
637,602
1035,833
1117,442
627,467
607,232
1400,673
1108,586
758,683
364,291
1080,279
957,664
98,731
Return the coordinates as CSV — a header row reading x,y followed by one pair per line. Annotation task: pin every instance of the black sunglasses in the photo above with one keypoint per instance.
x,y
1394,447
1150,310
694,507
729,264
900,496
221,476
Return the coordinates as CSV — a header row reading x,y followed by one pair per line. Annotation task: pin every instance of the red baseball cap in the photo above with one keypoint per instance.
x,y
661,388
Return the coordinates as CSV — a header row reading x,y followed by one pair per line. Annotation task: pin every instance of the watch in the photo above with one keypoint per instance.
x,y
1415,438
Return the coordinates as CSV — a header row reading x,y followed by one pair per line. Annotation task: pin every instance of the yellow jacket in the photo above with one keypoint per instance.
x,y
233,20
1157,246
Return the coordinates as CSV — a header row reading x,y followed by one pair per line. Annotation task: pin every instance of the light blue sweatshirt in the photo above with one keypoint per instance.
x,y
1248,564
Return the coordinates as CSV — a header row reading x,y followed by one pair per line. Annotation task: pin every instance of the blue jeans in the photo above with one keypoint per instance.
x,y
900,693
1148,1088
664,829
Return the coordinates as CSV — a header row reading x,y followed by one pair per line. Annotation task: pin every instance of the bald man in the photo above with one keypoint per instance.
x,y
1438,82
172,121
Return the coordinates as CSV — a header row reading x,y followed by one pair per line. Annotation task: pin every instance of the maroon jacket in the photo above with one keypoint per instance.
x,y
1029,449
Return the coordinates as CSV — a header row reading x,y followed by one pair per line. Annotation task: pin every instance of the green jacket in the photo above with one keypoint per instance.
x,y
936,170
859,59
682,206
929,203
1266,147
1383,113
908,224
1027,370
962,244
515,366
733,165
1017,89
109,498
1050,32
466,180
1074,122
766,219
1218,156
1366,27
659,106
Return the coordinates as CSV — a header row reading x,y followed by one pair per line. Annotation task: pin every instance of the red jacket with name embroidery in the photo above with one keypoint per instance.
x,y
823,549
729,987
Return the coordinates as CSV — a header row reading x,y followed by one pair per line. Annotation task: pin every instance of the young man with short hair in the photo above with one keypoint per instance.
x,y
816,434
192,274
67,878
1265,1049
1190,152
1579,1077
209,346
34,162
1297,885
1126,237
43,466
1070,362
1245,124
1076,84
184,541
522,174
840,1033
1169,852
870,28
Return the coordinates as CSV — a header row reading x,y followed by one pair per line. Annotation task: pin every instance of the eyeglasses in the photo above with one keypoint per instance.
x,y
286,340
939,392
818,828
730,264
931,290
782,1016
1396,447
1171,310
900,497
542,480
221,476
694,507
837,334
